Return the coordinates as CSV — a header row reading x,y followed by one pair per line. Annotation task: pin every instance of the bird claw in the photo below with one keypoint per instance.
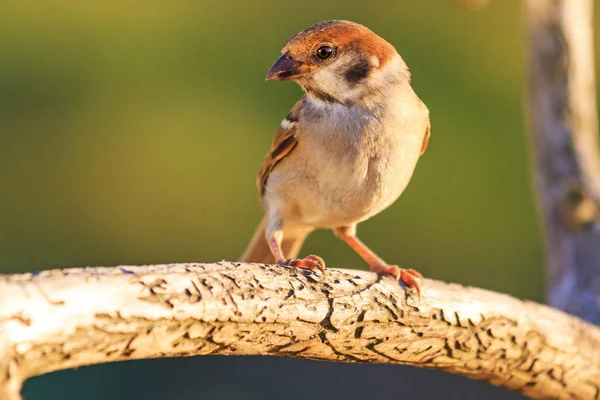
x,y
410,277
310,262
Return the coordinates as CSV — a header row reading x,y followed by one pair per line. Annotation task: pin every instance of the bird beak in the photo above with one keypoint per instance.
x,y
286,68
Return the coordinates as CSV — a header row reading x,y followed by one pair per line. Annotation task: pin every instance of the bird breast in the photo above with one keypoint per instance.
x,y
353,165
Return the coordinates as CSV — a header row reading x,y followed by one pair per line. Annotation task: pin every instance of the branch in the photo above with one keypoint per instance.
x,y
69,318
562,100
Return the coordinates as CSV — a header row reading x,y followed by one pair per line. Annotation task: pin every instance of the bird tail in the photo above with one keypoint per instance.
x,y
258,250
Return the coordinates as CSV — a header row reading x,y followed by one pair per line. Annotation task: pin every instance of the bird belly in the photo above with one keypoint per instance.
x,y
332,191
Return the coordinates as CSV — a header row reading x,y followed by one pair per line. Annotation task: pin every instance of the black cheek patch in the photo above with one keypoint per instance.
x,y
358,72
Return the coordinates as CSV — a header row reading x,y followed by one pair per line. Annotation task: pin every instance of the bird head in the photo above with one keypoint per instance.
x,y
339,61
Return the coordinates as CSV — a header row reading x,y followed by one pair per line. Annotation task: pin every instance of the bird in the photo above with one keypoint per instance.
x,y
346,150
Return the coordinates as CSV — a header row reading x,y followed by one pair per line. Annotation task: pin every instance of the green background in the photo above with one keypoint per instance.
x,y
131,132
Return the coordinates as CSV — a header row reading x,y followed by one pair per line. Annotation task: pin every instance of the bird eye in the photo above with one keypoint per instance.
x,y
324,52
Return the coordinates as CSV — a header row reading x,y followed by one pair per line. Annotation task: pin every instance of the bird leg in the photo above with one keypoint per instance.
x,y
311,262
412,278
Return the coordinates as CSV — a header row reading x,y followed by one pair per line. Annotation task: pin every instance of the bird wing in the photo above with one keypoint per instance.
x,y
426,138
284,143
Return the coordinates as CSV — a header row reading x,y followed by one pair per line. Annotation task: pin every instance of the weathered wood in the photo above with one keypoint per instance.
x,y
562,97
69,318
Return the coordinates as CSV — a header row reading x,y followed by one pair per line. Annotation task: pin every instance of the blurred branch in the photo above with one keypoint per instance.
x,y
69,318
562,101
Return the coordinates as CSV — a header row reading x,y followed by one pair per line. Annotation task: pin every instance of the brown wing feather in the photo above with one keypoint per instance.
x,y
426,138
285,141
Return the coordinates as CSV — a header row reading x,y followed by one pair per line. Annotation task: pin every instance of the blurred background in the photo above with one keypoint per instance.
x,y
131,132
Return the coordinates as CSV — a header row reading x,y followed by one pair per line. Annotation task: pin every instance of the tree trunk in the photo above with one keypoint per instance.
x,y
562,101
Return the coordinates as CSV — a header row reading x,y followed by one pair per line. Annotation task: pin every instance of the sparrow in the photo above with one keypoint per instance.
x,y
346,150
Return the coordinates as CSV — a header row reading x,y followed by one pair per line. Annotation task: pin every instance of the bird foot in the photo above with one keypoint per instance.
x,y
311,262
410,277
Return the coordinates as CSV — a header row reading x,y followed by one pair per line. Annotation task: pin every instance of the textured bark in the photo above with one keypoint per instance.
x,y
564,130
69,318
